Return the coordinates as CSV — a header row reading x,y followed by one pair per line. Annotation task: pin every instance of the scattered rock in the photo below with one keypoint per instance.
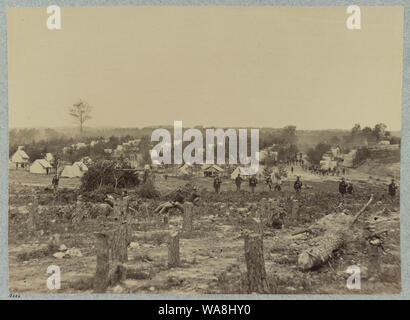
x,y
118,289
59,255
74,252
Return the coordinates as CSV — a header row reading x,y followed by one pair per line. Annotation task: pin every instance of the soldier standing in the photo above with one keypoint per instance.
x,y
55,182
269,182
297,185
392,189
217,184
342,187
350,188
238,182
252,183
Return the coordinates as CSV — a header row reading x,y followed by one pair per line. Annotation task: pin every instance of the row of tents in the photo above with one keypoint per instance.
x,y
42,166
213,170
20,159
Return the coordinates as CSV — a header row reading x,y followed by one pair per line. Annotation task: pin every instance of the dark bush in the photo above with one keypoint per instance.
x,y
362,154
109,173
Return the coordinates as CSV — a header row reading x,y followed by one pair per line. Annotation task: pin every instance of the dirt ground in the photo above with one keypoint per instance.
x,y
212,255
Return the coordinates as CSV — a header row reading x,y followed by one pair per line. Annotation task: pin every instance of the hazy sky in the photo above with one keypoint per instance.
x,y
221,66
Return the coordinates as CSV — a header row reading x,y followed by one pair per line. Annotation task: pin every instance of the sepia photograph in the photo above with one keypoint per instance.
x,y
198,150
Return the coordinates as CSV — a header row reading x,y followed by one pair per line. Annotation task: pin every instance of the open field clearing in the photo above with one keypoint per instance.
x,y
212,258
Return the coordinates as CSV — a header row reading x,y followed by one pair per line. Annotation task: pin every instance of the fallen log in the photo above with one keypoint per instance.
x,y
332,240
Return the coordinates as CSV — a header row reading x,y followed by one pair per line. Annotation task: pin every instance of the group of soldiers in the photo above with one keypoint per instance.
x,y
344,186
253,182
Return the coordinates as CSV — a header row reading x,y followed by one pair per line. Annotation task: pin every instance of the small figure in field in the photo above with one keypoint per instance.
x,y
238,182
217,184
55,182
350,188
297,185
342,187
177,202
278,185
269,182
195,197
252,183
344,171
165,177
392,188
291,169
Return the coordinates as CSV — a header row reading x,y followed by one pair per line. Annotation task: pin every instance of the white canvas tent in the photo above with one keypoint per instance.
x,y
81,165
40,166
72,171
238,171
185,169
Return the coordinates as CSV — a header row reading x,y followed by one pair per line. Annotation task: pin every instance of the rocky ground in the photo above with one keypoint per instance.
x,y
212,254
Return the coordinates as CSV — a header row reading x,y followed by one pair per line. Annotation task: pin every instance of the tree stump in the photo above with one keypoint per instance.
x,y
121,208
33,214
166,219
187,225
119,243
295,208
79,212
101,278
255,263
255,225
173,250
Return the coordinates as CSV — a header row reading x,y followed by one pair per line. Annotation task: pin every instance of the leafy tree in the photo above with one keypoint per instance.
x,y
316,154
289,135
380,130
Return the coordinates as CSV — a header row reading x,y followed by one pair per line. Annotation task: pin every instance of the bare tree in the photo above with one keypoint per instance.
x,y
81,111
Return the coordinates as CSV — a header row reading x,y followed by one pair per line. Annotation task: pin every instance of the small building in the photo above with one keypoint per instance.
x,y
20,158
384,142
80,145
41,166
336,152
349,159
213,170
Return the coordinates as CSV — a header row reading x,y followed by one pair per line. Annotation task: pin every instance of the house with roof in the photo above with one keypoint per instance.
x,y
213,170
20,158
